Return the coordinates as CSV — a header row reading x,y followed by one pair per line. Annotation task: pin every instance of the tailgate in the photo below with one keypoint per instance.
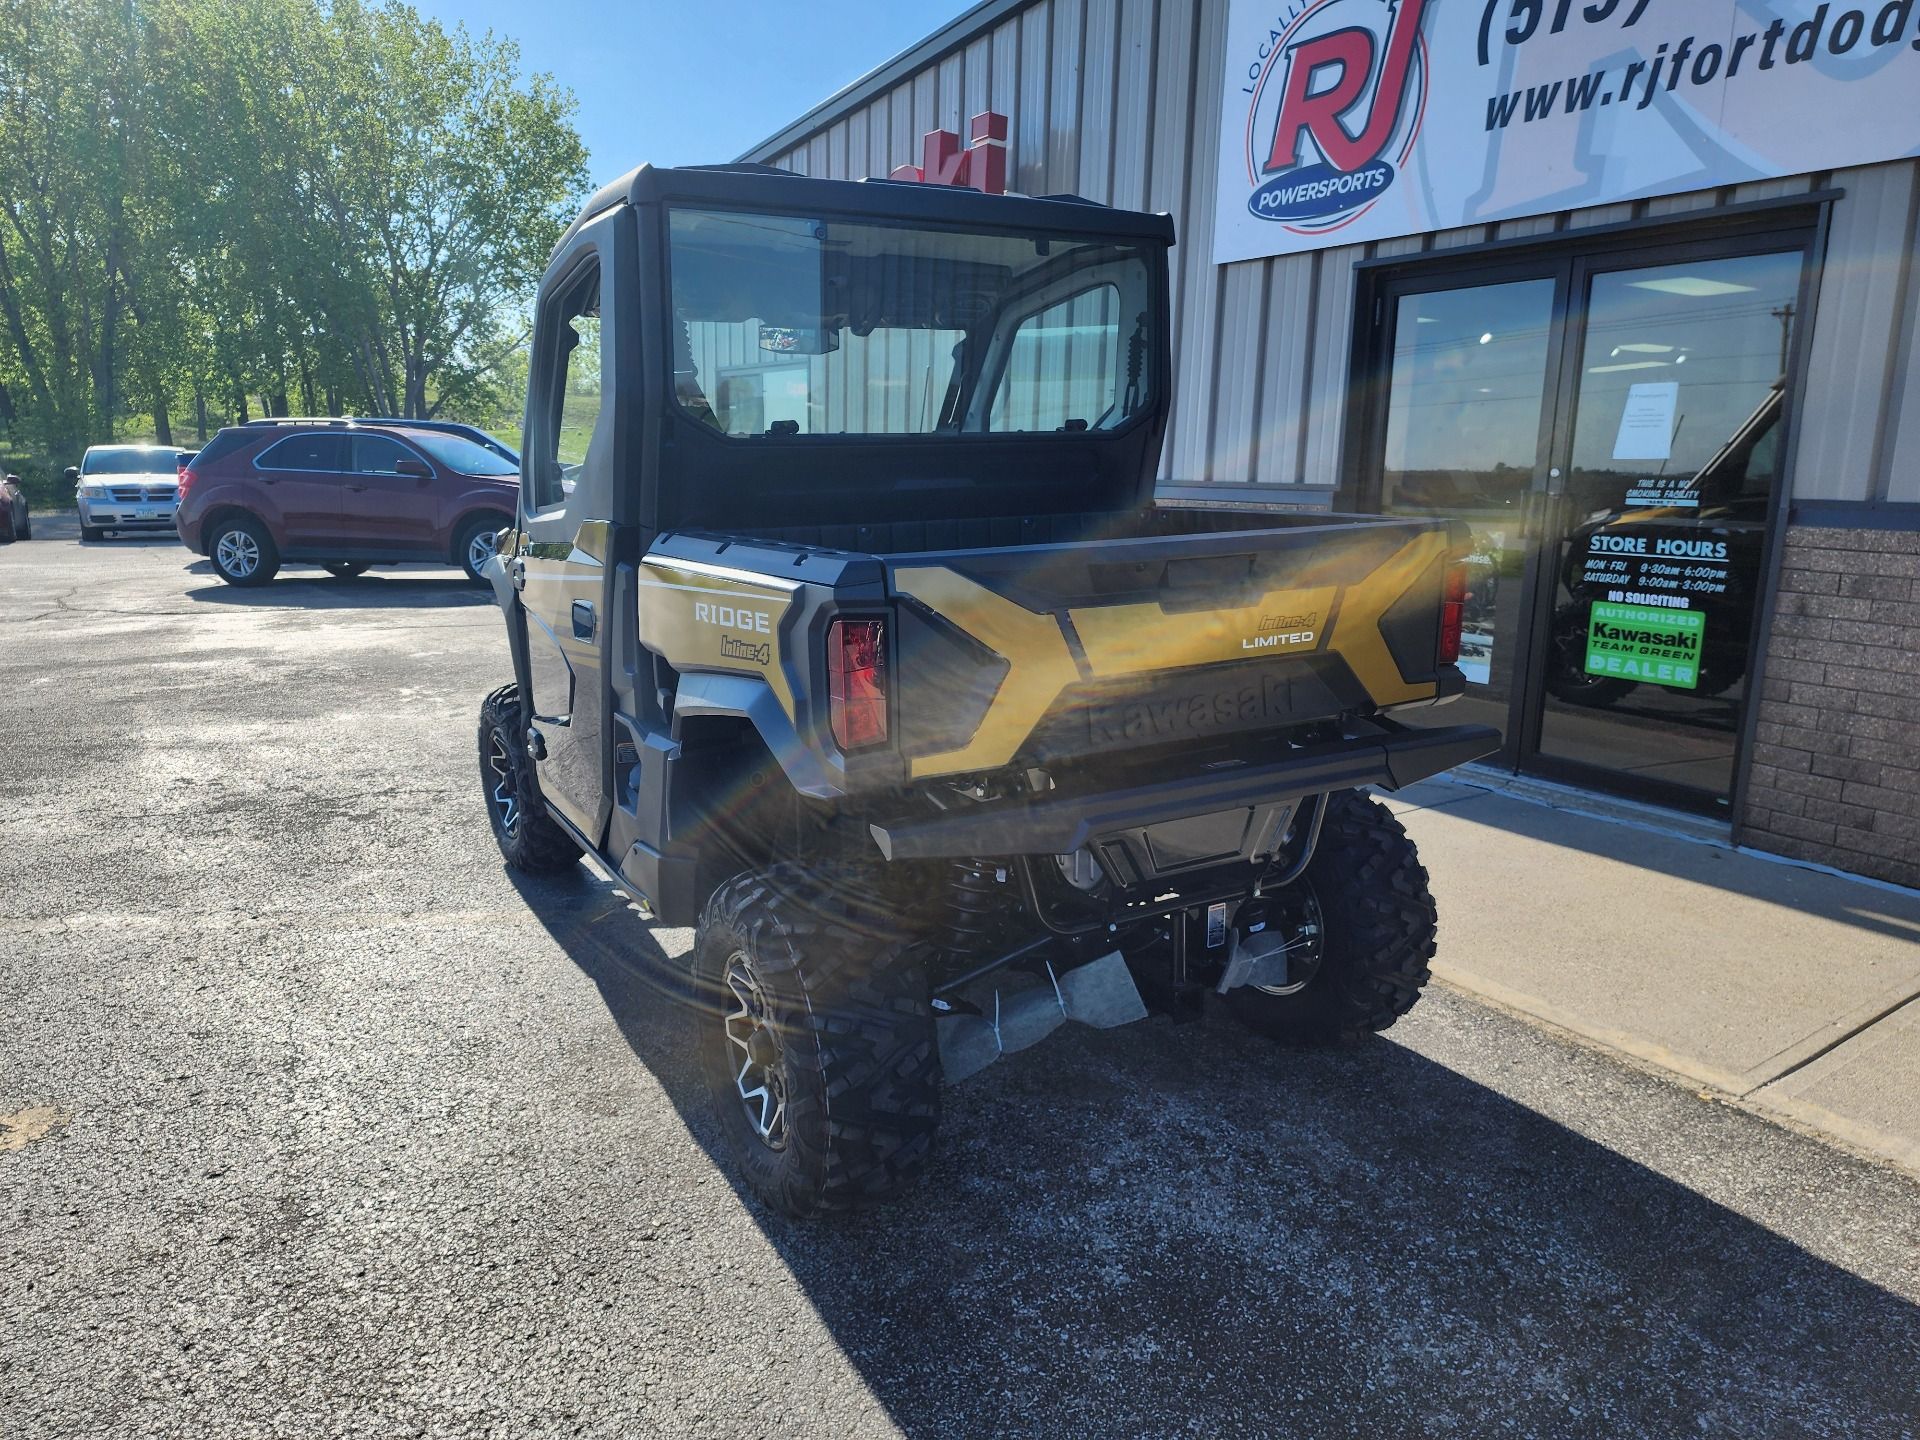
x,y
1043,652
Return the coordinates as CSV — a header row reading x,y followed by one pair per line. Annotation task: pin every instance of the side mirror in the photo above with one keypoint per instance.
x,y
72,472
419,469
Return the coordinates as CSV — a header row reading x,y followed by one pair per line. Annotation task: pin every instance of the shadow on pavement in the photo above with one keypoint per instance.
x,y
1151,1231
428,588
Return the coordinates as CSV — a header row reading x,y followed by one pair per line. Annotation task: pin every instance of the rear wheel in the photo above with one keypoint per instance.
x,y
346,569
1364,922
528,836
243,552
816,1040
1568,678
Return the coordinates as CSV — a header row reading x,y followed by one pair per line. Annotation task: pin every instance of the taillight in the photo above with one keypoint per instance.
x,y
1453,605
857,682
187,477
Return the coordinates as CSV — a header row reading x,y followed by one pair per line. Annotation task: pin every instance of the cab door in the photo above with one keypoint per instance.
x,y
563,564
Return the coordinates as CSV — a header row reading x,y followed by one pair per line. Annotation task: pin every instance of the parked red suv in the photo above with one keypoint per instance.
x,y
347,493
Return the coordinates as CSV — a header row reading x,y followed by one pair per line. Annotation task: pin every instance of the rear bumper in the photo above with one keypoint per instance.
x,y
1059,824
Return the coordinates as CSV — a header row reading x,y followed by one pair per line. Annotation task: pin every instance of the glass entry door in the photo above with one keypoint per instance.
x,y
1465,436
1609,427
1671,459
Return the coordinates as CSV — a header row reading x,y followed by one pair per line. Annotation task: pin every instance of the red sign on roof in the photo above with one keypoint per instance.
x,y
981,166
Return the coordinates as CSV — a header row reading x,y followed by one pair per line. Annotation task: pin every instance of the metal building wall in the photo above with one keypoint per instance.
x,y
1119,101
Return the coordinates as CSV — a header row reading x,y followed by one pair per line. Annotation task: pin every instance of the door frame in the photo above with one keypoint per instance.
x,y
1572,258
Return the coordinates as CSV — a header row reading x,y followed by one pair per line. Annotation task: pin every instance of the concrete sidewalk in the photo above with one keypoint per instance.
x,y
1791,990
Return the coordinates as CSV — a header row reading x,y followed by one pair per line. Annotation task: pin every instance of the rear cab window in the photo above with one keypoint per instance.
x,y
787,325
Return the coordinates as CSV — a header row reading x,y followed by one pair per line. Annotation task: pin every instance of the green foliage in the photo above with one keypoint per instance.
x,y
210,208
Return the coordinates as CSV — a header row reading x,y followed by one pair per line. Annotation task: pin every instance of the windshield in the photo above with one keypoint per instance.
x,y
456,452
792,326
130,460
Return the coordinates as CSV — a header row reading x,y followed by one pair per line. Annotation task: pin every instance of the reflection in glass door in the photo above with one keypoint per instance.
x,y
1464,429
1671,464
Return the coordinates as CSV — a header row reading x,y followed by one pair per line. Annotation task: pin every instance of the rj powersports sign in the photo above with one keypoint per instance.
x,y
1349,120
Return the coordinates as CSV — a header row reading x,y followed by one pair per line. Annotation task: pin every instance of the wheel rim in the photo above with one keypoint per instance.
x,y
1575,679
238,553
758,1059
481,549
1306,940
503,794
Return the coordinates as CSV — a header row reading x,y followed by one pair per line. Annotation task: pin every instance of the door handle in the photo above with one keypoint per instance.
x,y
583,620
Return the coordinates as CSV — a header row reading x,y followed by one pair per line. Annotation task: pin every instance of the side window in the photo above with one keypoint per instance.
x,y
310,451
1063,368
572,399
377,455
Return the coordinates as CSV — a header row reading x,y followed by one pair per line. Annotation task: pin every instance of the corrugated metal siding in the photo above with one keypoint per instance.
x,y
1842,451
1117,100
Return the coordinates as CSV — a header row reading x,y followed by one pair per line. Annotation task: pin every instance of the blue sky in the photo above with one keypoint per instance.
x,y
693,84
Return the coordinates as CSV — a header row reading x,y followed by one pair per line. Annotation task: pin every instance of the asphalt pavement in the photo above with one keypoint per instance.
x,y
320,1123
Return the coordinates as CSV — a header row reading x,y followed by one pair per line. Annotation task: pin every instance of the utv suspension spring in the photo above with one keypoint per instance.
x,y
971,903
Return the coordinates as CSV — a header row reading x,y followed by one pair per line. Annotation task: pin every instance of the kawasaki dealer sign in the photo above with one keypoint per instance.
x,y
1635,642
1350,120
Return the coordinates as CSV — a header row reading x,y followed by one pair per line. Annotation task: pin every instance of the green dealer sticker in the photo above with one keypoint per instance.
x,y
1639,642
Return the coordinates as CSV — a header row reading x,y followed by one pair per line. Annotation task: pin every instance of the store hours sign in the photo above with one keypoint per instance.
x,y
1351,120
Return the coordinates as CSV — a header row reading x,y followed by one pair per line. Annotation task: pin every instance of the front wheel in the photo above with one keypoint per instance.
x,y
243,553
90,533
1368,927
816,1040
477,544
529,838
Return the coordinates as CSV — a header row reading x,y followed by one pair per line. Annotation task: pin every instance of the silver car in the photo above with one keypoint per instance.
x,y
126,488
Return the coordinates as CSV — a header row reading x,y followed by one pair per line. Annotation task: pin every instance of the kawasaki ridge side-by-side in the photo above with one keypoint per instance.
x,y
845,626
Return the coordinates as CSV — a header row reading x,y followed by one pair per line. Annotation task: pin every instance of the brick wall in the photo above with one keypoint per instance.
x,y
1836,758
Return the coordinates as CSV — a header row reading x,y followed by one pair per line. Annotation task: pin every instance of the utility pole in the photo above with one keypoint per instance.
x,y
1784,314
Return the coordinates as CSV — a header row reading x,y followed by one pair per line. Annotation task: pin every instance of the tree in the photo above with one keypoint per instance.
x,y
208,204
69,82
443,182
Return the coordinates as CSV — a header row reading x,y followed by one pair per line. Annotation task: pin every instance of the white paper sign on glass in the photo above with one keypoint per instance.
x,y
1646,421
1351,120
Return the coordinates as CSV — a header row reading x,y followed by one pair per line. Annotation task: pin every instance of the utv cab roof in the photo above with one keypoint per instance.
x,y
767,187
